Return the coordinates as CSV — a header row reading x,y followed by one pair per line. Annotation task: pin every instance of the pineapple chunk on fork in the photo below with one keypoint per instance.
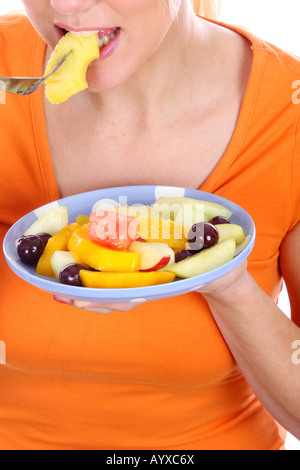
x,y
70,78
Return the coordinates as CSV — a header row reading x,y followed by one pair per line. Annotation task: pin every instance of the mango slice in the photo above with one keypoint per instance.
x,y
99,280
57,243
101,258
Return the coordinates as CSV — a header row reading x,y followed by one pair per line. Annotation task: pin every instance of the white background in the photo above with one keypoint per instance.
x,y
276,21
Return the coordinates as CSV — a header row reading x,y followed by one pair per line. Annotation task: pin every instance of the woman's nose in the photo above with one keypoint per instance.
x,y
67,7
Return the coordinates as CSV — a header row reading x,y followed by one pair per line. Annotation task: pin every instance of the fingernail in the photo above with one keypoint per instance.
x,y
57,299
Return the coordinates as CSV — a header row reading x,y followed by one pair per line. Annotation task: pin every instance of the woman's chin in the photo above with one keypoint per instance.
x,y
100,80
100,85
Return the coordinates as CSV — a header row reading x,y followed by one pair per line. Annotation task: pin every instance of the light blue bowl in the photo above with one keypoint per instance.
x,y
83,203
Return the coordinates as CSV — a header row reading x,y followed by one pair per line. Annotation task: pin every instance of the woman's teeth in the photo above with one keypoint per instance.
x,y
104,41
83,34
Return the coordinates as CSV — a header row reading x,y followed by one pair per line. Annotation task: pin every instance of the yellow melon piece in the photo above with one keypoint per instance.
x,y
163,231
82,220
70,78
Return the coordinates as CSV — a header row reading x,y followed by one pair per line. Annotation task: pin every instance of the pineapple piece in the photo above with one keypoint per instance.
x,y
70,78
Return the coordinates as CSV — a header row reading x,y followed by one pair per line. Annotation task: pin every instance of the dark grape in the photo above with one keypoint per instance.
x,y
196,236
30,249
45,237
70,275
183,254
202,235
218,220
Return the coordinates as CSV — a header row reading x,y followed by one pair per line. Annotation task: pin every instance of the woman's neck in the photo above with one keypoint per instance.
x,y
168,77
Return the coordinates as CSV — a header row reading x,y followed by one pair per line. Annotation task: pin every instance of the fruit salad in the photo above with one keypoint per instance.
x,y
132,246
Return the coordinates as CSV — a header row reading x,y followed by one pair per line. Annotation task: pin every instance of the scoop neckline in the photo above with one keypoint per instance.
x,y
234,147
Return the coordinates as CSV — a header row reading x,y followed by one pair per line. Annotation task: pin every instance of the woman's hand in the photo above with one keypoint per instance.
x,y
99,307
235,279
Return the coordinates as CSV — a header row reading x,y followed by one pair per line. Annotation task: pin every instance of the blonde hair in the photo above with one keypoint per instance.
x,y
207,8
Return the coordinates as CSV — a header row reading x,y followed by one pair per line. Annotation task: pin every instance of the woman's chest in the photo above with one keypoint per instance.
x,y
88,157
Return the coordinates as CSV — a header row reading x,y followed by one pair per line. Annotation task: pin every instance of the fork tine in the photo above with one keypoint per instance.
x,y
35,86
57,65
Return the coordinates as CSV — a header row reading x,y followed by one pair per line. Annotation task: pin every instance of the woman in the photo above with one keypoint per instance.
x,y
181,101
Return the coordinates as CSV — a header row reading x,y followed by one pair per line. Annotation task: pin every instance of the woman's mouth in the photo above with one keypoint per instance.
x,y
108,38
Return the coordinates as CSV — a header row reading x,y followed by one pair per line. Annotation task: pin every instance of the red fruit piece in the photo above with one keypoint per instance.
x,y
112,229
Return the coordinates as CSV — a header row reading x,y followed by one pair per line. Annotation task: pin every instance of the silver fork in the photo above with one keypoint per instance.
x,y
27,85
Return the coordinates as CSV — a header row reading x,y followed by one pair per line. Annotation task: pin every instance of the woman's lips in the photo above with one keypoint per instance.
x,y
108,37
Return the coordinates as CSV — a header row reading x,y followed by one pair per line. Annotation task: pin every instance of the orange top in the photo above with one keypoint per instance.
x,y
160,376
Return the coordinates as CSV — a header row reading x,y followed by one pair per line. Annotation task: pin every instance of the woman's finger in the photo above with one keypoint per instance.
x,y
101,307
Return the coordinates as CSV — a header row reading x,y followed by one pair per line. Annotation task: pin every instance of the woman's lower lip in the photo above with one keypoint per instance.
x,y
107,51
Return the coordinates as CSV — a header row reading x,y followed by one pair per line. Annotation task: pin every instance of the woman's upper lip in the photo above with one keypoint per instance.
x,y
86,28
